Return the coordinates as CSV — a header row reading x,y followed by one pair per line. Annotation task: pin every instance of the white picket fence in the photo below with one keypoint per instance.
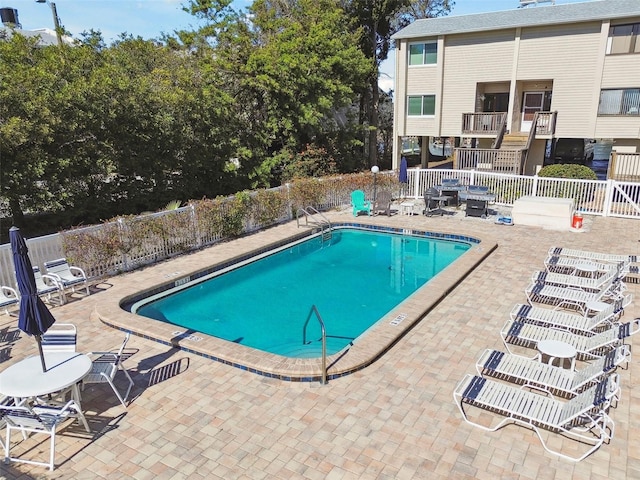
x,y
592,197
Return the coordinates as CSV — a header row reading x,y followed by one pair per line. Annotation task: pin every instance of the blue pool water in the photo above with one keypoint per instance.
x,y
354,279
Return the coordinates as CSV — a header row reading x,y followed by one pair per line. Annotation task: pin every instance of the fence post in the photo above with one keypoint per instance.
x,y
288,190
121,227
534,186
196,225
416,184
608,198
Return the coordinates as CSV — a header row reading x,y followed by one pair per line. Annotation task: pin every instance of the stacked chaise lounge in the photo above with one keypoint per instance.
x,y
578,301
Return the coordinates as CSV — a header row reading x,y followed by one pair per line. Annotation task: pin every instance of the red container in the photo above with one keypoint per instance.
x,y
577,220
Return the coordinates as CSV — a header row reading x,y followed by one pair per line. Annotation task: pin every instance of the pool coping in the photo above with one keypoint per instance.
x,y
368,348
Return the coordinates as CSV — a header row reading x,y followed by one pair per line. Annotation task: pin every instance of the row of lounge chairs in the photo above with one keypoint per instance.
x,y
59,279
583,312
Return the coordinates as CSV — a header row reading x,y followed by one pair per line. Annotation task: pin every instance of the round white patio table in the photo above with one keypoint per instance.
x,y
557,349
595,306
25,379
586,269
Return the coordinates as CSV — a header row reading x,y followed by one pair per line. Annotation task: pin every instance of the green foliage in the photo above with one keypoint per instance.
x,y
268,207
91,249
234,214
568,171
580,192
119,129
312,161
126,242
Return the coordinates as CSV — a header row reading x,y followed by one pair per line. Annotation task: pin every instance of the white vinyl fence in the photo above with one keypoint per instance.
x,y
592,197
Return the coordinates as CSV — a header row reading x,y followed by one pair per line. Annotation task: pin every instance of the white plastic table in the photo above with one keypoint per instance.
x,y
555,349
586,269
596,306
25,379
406,208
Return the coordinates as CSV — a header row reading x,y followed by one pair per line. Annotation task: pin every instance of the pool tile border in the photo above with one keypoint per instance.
x,y
368,348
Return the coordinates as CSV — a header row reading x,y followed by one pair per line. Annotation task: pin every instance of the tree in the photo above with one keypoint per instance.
x,y
380,19
290,66
44,146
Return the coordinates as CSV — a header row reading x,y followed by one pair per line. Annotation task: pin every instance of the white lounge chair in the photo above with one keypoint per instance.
x,y
583,283
555,380
571,297
67,275
60,337
104,367
583,418
571,265
571,321
587,346
36,419
47,285
592,256
8,297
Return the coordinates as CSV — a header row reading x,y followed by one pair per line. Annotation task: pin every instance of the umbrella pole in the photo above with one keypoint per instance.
x,y
39,340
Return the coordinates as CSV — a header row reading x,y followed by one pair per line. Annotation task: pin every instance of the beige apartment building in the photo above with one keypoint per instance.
x,y
497,90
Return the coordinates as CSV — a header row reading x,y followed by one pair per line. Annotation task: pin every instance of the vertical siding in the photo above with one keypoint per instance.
x,y
569,55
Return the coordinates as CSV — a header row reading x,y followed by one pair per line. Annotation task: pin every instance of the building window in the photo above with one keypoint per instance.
x,y
423,53
624,101
624,39
422,105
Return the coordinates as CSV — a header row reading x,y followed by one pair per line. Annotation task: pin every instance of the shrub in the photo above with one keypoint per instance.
x,y
568,171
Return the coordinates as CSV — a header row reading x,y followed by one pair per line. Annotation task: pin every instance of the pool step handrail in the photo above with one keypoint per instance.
x,y
323,223
313,310
311,212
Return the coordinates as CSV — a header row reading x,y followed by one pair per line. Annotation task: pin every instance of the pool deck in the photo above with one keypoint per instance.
x,y
191,417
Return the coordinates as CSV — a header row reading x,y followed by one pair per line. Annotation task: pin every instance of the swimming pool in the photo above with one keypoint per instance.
x,y
353,279
123,291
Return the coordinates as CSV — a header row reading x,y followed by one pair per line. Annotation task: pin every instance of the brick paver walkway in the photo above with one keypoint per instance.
x,y
190,417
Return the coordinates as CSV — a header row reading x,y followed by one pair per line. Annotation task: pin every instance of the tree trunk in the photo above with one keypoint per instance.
x,y
375,99
17,214
373,124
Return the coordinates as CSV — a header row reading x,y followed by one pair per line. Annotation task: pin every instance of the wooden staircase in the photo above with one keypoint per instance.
x,y
509,162
514,141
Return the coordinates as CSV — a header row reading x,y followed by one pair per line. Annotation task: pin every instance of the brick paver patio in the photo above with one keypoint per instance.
x,y
190,417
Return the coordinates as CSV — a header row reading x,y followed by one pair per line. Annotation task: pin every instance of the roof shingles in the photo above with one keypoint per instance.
x,y
596,10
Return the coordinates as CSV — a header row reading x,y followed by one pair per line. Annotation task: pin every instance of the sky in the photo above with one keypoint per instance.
x,y
150,18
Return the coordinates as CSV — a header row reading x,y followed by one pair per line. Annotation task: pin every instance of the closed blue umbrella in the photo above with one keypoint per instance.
x,y
34,318
402,176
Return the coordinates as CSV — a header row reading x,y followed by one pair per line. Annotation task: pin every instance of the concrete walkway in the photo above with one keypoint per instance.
x,y
193,418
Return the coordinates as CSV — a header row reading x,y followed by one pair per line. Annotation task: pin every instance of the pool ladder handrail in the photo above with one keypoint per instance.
x,y
325,225
313,310
310,211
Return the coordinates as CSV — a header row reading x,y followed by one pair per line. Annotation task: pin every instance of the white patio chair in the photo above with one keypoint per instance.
x,y
8,297
67,275
36,419
104,367
583,418
60,337
572,297
48,285
572,322
555,380
587,346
